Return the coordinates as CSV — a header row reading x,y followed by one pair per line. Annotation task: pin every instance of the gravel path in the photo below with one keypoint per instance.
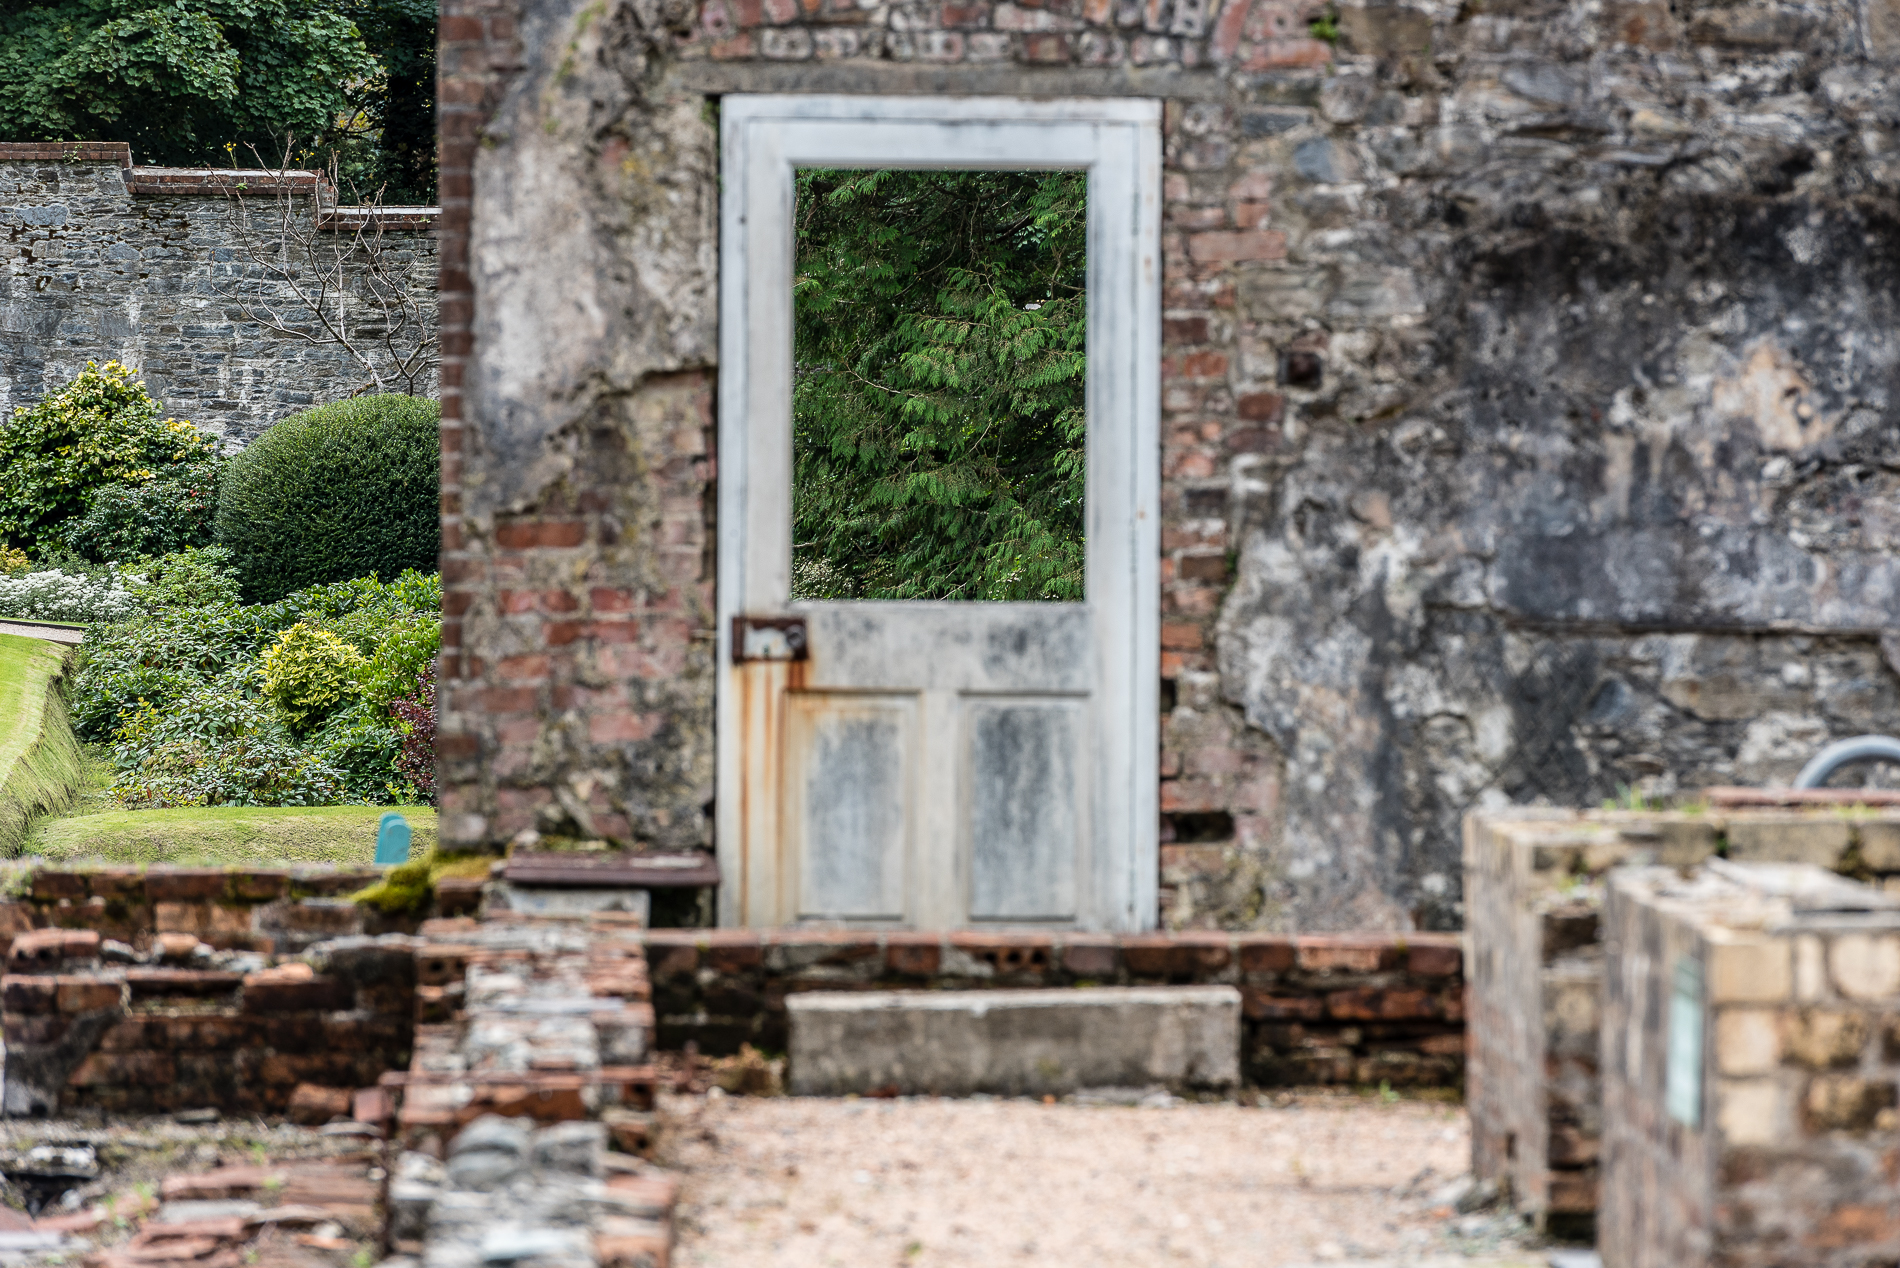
x,y
786,1183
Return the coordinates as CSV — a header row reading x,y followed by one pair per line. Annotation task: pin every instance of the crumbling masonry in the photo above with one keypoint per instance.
x,y
1529,404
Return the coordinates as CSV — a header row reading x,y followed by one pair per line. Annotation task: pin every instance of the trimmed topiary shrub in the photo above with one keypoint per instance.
x,y
344,490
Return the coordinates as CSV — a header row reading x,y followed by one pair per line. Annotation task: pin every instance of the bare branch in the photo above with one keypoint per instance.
x,y
352,288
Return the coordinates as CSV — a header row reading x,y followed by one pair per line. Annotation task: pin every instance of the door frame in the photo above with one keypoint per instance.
x,y
764,139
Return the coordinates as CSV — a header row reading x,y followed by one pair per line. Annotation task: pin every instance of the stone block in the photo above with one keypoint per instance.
x,y
1880,844
84,993
1847,1102
1089,958
292,988
29,994
1264,954
1822,1038
1747,1041
184,885
913,955
1865,966
313,1105
1751,1111
1014,1042
1746,969
1819,839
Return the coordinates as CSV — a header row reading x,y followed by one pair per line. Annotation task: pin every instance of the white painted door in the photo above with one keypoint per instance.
x,y
939,764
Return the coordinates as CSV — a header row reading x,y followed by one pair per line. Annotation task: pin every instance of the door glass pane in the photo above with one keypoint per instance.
x,y
937,400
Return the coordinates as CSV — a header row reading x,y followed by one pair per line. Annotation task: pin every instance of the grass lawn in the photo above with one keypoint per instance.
x,y
98,830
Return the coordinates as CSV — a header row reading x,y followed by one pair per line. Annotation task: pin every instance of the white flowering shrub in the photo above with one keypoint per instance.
x,y
60,596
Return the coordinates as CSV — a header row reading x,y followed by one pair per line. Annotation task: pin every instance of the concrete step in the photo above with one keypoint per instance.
x,y
1014,1043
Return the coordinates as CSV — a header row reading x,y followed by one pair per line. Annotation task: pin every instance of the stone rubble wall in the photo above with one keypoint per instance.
x,y
102,261
1535,885
1339,1009
1529,379
1790,1159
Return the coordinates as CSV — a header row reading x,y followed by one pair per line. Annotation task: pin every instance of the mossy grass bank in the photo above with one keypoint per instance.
x,y
40,762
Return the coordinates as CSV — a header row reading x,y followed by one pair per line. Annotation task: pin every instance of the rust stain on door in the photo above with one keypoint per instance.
x,y
766,880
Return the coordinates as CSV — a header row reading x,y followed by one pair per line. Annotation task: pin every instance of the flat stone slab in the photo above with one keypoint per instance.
x,y
1014,1043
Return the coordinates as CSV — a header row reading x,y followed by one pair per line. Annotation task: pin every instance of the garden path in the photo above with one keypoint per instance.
x,y
800,1183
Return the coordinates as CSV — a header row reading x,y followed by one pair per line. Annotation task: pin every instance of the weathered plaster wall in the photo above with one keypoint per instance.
x,y
1529,397
100,261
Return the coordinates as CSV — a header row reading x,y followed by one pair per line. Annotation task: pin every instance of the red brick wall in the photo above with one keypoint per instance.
x,y
1341,1009
233,1033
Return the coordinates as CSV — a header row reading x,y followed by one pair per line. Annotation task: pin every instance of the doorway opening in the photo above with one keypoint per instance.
x,y
940,373
939,539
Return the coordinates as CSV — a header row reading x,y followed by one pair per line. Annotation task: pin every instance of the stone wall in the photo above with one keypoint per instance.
x,y
1535,884
1329,1009
1529,429
1751,1063
101,261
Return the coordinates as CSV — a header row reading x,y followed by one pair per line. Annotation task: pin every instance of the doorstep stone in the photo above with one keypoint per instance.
x,y
1014,1043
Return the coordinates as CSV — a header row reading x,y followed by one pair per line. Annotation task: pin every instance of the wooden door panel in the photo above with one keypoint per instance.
x,y
848,780
1027,807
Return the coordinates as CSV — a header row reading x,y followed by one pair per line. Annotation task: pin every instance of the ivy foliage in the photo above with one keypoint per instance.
x,y
179,79
101,430
938,427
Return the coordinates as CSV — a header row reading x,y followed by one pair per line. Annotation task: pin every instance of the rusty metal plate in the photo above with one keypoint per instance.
x,y
769,638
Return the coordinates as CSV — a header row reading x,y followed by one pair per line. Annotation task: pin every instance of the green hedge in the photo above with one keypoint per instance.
x,y
341,491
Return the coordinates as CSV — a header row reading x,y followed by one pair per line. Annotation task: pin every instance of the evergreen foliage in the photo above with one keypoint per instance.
x,y
180,79
938,429
191,82
344,490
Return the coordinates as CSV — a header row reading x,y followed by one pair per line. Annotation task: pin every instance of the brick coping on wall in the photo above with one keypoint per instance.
x,y
219,182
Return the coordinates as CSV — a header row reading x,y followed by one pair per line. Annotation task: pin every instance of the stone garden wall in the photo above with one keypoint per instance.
x,y
1528,383
102,261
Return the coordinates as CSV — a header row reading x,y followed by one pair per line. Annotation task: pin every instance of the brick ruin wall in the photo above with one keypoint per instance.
x,y
1529,430
166,988
1536,883
1780,1145
1352,1010
101,261
131,990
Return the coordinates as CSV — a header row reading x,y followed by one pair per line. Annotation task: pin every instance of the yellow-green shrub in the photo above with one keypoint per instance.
x,y
308,672
101,429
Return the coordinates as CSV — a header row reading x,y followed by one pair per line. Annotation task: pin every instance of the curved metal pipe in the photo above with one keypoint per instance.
x,y
1862,748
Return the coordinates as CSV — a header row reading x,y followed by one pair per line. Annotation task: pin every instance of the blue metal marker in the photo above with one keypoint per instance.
x,y
392,840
